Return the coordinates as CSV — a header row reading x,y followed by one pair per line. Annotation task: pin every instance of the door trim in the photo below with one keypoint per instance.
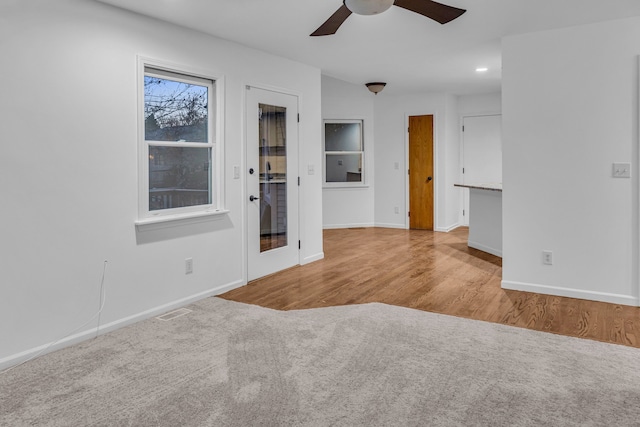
x,y
436,168
243,168
460,177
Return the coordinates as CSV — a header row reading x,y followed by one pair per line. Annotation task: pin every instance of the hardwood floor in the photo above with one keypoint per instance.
x,y
435,272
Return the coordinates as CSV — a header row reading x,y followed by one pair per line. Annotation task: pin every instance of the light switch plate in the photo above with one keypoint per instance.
x,y
236,172
622,170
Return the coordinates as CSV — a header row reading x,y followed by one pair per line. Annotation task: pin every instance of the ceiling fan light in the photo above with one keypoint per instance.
x,y
375,87
368,7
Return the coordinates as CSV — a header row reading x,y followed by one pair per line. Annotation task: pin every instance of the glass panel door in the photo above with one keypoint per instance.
x,y
272,146
272,182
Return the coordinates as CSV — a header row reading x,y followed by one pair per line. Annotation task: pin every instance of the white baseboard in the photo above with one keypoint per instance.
x,y
385,225
484,248
572,293
339,226
312,258
447,229
404,227
15,359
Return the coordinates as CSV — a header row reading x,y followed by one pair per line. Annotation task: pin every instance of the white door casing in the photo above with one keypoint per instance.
x,y
272,181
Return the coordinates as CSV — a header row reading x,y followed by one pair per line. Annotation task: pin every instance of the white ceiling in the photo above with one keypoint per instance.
x,y
408,51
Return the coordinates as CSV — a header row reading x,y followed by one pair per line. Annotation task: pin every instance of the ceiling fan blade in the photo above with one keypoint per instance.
x,y
436,11
333,23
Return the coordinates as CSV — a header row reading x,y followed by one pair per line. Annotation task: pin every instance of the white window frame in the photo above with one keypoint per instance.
x,y
215,142
331,184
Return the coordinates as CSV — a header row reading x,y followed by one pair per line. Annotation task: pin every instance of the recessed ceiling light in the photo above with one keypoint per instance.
x,y
482,69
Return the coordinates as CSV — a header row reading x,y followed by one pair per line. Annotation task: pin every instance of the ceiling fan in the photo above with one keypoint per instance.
x,y
436,11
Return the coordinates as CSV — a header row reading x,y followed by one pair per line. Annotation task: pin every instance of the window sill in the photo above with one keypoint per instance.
x,y
165,221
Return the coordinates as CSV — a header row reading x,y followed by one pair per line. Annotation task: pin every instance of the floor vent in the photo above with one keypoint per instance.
x,y
173,314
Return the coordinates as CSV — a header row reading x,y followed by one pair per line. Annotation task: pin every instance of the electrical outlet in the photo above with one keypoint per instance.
x,y
396,209
188,266
622,170
547,257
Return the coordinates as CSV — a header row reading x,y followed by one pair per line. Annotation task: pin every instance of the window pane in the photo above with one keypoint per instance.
x,y
344,167
179,177
174,110
342,137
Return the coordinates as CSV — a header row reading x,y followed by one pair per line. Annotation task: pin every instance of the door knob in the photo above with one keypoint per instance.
x,y
252,198
251,171
429,178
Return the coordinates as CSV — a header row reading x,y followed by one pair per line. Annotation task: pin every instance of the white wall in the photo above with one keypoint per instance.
x,y
354,207
480,104
570,109
349,207
68,170
470,106
391,113
481,155
450,166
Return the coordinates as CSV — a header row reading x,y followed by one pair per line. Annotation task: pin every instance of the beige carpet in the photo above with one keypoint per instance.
x,y
230,364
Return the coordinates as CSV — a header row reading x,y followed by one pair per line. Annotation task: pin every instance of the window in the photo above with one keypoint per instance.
x,y
178,147
344,153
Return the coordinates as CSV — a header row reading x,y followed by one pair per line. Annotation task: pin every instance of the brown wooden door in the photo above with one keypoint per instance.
x,y
421,172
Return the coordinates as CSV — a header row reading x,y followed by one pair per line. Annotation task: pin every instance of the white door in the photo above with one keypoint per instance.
x,y
481,153
272,181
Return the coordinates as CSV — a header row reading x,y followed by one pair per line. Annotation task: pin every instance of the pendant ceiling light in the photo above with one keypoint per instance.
x,y
368,7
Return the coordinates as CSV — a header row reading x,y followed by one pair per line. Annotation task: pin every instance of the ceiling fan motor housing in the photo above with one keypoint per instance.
x,y
368,7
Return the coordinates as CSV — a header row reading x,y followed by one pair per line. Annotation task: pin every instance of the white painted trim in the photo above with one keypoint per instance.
x,y
166,221
496,113
243,183
352,186
15,359
312,258
348,187
217,146
384,225
635,267
245,214
340,226
355,118
436,166
277,89
388,225
484,248
448,229
571,293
